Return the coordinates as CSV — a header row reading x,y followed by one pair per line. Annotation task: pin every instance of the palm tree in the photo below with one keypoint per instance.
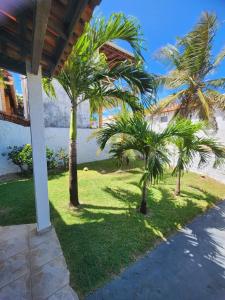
x,y
97,106
192,64
192,146
87,69
150,144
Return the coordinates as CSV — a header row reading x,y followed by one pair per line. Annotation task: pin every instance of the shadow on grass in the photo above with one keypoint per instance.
x,y
107,238
110,166
190,265
99,240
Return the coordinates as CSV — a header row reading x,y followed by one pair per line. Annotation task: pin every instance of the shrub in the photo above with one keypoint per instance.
x,y
51,159
62,158
22,157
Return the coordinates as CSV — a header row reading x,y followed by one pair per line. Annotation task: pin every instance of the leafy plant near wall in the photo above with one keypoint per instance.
x,y
22,157
153,146
193,146
62,158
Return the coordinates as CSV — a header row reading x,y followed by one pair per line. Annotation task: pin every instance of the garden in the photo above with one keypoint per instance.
x,y
107,232
109,213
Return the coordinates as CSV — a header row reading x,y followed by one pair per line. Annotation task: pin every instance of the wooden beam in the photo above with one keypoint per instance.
x,y
14,40
41,15
12,65
74,12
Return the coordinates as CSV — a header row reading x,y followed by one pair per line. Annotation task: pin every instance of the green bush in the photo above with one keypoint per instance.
x,y
62,158
22,157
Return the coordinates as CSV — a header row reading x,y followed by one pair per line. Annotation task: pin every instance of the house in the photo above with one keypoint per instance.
x,y
10,109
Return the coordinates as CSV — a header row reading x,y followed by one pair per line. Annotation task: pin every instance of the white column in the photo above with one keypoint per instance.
x,y
34,88
25,96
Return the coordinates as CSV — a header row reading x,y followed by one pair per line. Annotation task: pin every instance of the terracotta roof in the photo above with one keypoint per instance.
x,y
20,21
116,54
170,108
14,119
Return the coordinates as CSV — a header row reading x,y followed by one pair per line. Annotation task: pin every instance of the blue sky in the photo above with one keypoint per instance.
x,y
164,20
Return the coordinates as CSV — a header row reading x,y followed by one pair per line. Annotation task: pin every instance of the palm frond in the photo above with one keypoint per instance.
x,y
174,79
190,145
117,27
135,77
169,55
216,83
197,46
157,161
102,30
219,58
48,87
204,104
134,126
165,102
217,98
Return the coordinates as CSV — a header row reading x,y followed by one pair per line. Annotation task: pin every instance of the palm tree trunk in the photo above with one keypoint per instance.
x,y
177,190
73,182
100,116
143,207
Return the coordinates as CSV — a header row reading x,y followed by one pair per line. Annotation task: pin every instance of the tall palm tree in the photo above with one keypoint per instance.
x,y
192,65
150,144
86,70
192,146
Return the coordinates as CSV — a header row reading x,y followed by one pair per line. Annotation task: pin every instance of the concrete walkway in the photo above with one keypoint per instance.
x,y
189,266
32,267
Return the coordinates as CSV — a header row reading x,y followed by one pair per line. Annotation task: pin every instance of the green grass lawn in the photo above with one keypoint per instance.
x,y
107,233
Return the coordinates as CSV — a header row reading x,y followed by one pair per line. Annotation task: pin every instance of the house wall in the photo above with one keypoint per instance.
x,y
57,110
12,134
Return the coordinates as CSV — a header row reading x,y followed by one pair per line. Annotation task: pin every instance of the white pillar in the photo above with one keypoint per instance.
x,y
25,96
34,88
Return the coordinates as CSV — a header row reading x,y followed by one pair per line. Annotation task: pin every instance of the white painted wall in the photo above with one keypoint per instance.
x,y
12,134
57,110
219,173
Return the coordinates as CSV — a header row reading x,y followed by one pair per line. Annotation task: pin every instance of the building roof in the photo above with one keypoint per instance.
x,y
116,54
41,31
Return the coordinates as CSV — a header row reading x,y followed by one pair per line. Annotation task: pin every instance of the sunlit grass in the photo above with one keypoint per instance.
x,y
107,232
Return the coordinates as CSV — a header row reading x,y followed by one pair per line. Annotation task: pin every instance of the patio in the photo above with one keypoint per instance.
x,y
32,266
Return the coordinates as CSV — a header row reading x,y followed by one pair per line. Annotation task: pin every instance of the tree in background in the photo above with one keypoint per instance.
x,y
192,146
151,145
191,63
87,68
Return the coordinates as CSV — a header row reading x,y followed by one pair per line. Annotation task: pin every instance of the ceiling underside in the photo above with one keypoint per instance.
x,y
24,36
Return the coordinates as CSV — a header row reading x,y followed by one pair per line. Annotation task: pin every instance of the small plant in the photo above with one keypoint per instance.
x,y
14,156
22,157
62,158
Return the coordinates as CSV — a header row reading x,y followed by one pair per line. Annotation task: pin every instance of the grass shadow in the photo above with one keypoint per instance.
x,y
99,240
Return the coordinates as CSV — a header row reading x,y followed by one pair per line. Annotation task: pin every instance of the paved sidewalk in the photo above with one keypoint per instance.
x,y
189,266
32,267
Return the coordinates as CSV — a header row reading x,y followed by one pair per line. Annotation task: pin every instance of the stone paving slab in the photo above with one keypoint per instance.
x,y
189,266
19,289
32,267
65,293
